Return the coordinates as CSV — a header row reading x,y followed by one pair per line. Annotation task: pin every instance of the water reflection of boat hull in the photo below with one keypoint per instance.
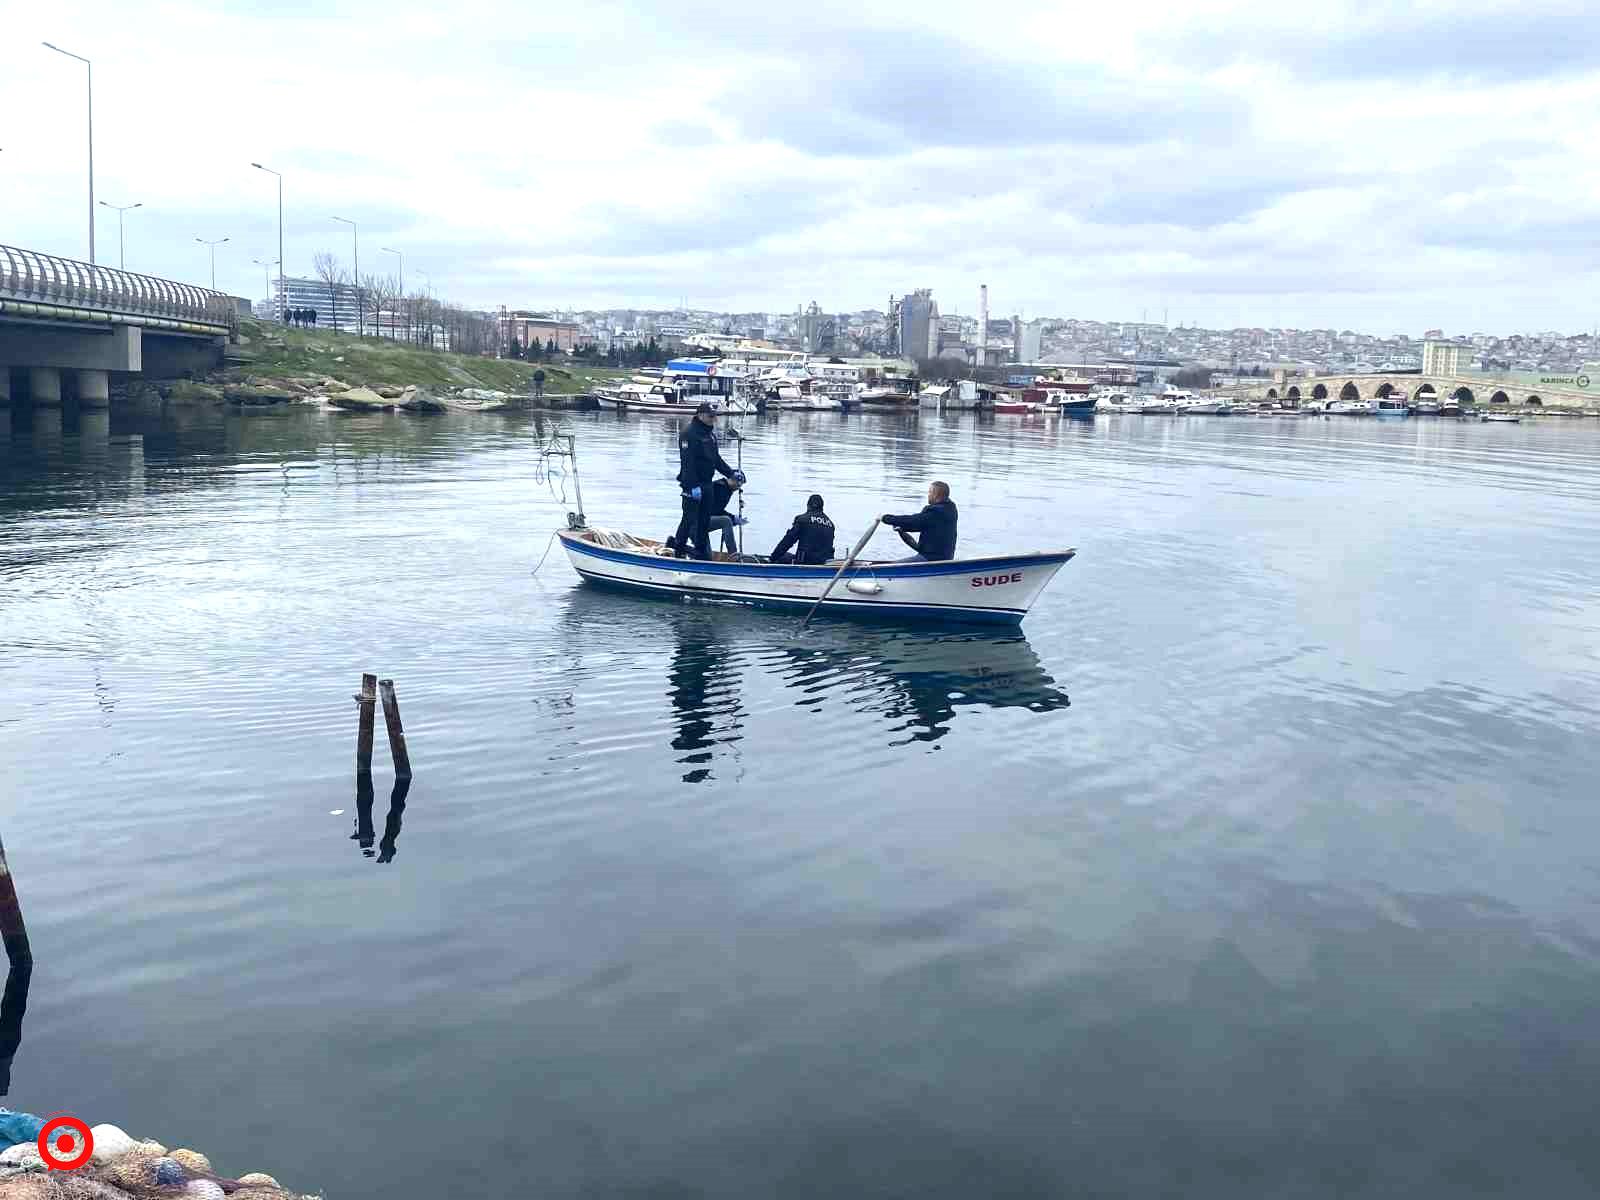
x,y
919,677
997,590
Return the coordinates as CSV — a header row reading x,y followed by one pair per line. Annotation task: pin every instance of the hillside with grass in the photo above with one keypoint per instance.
x,y
271,351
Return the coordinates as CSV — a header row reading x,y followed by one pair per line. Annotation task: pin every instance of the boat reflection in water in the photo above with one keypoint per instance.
x,y
725,660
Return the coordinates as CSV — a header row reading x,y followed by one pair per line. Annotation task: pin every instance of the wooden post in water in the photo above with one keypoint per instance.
x,y
368,703
12,928
397,735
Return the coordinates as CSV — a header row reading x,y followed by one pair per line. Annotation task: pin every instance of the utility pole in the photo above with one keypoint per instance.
x,y
122,255
355,250
213,246
283,297
90,67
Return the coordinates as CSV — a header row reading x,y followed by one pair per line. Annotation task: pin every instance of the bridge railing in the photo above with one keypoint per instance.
x,y
47,279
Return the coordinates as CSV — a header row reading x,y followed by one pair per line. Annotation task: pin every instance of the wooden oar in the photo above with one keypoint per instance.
x,y
843,567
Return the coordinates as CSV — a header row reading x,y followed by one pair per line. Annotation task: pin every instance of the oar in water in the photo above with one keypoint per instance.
x,y
843,567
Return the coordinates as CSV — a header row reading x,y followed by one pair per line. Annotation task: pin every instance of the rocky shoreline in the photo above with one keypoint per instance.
x,y
120,1168
332,393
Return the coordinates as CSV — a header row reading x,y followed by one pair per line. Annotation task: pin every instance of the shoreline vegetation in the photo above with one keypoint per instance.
x,y
273,364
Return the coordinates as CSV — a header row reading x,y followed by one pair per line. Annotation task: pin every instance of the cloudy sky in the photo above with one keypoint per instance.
x,y
1378,167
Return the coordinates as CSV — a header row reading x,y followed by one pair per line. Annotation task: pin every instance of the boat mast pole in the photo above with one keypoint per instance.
x,y
740,464
577,484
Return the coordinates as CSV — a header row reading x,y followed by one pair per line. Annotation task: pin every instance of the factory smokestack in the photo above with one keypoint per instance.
x,y
983,321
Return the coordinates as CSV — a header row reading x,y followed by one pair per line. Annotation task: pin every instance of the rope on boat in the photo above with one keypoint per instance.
x,y
546,553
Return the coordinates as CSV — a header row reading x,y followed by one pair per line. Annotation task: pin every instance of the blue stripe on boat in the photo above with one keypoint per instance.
x,y
878,608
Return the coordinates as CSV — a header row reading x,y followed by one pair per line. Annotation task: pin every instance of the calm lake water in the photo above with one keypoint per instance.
x,y
1265,862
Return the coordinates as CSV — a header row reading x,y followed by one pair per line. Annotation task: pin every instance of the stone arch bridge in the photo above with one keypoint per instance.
x,y
1579,395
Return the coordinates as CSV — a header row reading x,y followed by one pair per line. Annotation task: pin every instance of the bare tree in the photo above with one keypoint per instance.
x,y
382,290
331,273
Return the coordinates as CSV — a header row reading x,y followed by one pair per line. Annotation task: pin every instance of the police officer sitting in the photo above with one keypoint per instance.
x,y
812,532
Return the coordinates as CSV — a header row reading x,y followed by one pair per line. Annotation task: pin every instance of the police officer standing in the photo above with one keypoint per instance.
x,y
699,460
812,535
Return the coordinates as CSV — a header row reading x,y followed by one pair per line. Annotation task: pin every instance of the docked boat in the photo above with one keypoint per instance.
x,y
1450,408
891,392
1428,408
1391,406
1349,408
1107,400
1206,408
991,590
1016,407
650,393
1499,418
803,395
1159,406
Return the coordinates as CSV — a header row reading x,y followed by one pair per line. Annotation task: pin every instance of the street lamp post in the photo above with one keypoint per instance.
x,y
90,67
213,246
427,297
282,295
266,265
402,259
122,246
355,251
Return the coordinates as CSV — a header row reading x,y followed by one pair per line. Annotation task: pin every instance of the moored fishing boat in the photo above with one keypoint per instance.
x,y
643,393
991,590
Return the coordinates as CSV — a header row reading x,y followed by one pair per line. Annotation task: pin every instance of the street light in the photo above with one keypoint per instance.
x,y
402,259
266,265
427,314
283,298
213,246
90,66
122,248
355,244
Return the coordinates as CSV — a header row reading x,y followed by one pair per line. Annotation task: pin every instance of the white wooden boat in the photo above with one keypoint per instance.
x,y
645,394
993,590
1499,418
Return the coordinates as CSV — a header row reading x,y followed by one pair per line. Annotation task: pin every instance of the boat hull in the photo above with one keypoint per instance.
x,y
619,404
995,591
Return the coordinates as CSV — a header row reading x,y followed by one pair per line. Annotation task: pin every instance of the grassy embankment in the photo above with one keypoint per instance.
x,y
269,350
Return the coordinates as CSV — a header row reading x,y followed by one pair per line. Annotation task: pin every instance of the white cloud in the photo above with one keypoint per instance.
x,y
1363,167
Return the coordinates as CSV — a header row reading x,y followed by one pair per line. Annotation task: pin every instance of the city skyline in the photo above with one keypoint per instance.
x,y
1379,172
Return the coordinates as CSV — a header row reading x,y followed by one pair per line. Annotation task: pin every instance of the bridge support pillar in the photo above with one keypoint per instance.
x,y
94,389
44,387
5,386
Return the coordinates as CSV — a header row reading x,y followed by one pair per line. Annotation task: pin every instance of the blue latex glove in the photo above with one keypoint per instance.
x,y
694,493
738,476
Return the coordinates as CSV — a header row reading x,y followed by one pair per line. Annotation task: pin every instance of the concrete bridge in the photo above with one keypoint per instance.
x,y
66,327
1579,395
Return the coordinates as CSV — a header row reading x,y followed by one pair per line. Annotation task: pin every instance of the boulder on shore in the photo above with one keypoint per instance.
x,y
360,400
415,399
389,392
253,393
187,391
330,384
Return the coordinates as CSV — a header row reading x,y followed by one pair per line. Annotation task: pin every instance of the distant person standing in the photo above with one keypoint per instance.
x,y
935,525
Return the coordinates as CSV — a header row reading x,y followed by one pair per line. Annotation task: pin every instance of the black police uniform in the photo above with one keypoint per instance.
x,y
935,526
813,530
699,460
